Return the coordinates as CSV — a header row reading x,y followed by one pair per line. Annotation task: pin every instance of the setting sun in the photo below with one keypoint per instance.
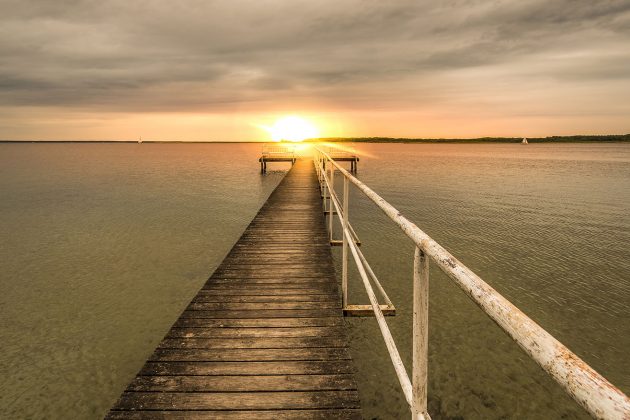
x,y
292,128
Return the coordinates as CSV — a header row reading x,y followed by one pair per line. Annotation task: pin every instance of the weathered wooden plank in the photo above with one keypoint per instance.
x,y
244,401
247,251
220,306
285,236
325,414
296,257
297,263
258,322
187,332
279,279
243,291
268,262
271,247
266,242
242,383
274,313
303,264
252,343
302,229
281,274
242,284
216,298
268,257
367,311
250,355
328,367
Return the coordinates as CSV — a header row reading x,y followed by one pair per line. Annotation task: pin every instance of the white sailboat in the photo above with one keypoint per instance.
x,y
524,141
140,140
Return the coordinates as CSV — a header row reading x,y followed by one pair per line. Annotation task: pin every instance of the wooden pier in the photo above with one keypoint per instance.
x,y
287,153
264,338
274,153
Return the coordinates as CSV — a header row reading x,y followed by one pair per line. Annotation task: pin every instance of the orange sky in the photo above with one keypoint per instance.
x,y
199,71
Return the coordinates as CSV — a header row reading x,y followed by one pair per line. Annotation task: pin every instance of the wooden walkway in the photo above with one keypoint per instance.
x,y
264,338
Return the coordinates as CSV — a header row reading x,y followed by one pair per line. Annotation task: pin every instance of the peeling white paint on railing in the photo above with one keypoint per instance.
x,y
591,390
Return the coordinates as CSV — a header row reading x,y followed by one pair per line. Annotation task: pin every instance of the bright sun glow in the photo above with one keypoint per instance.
x,y
292,128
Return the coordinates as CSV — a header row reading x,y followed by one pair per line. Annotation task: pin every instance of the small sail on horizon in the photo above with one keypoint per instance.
x,y
524,141
140,140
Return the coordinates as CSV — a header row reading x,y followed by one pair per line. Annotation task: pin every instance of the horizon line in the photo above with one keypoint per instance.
x,y
375,139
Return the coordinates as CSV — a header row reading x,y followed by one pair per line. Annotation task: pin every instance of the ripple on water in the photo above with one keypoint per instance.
x,y
102,247
546,226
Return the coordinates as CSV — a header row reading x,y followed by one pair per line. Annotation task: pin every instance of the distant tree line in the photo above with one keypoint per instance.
x,y
551,139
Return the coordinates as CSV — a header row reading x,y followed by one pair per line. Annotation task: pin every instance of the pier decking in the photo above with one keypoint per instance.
x,y
264,338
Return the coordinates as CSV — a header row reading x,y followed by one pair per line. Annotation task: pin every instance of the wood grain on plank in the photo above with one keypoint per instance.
x,y
242,401
252,343
321,414
250,355
251,383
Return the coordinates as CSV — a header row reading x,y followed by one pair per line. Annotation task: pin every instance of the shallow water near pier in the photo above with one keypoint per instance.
x,y
104,244
546,225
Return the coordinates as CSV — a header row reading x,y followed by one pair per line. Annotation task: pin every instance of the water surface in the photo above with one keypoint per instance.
x,y
104,244
546,225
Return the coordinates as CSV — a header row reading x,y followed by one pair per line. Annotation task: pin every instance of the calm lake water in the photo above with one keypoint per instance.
x,y
103,245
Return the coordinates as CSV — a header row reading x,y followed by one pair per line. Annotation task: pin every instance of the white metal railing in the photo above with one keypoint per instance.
x,y
274,150
336,152
591,390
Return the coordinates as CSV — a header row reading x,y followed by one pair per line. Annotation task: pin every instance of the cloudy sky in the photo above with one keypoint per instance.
x,y
218,70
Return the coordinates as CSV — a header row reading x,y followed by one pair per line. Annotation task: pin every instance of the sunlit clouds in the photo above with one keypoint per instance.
x,y
195,70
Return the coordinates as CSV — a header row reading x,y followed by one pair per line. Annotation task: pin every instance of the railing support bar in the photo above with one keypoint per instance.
x,y
332,191
324,191
399,367
344,271
420,358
